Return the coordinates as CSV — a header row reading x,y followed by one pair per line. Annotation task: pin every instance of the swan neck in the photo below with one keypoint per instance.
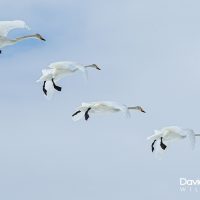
x,y
25,37
92,66
132,108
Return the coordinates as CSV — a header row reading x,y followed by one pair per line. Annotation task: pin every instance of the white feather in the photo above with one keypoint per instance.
x,y
7,26
104,107
173,133
59,70
191,138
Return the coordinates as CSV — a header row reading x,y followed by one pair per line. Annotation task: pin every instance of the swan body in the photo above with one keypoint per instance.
x,y
7,26
58,70
102,107
170,134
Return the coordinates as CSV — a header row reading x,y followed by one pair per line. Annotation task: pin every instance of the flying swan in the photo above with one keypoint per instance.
x,y
171,133
7,26
102,107
59,70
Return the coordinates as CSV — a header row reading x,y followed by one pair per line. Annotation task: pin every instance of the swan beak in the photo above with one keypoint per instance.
x,y
42,38
143,111
98,68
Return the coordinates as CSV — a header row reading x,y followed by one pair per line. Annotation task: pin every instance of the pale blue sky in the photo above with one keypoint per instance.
x,y
149,55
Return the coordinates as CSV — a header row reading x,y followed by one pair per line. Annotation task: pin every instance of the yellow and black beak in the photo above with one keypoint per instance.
x,y
143,111
42,38
98,68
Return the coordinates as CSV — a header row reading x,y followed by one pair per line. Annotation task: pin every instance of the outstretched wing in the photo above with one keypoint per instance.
x,y
46,74
157,134
63,65
6,26
70,65
83,69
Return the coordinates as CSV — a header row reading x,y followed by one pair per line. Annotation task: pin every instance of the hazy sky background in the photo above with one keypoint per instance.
x,y
149,52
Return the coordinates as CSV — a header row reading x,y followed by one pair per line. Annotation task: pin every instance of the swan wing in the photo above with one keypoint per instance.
x,y
7,26
101,106
96,106
172,129
157,134
71,66
85,72
84,104
128,114
112,106
63,65
191,138
82,69
109,104
46,74
105,106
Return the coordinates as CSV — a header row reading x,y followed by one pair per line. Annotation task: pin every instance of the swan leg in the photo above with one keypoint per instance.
x,y
152,146
86,114
58,88
76,113
162,145
43,88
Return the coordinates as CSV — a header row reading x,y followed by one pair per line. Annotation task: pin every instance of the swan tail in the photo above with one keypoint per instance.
x,y
45,72
85,74
154,136
128,114
39,80
150,137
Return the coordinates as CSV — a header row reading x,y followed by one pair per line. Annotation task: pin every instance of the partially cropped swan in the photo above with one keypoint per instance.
x,y
169,134
59,70
102,107
7,26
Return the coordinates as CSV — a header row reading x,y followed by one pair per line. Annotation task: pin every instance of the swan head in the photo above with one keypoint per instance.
x,y
95,66
39,37
140,109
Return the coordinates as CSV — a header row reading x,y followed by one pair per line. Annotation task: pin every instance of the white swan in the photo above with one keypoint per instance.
x,y
171,133
59,70
7,26
102,107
